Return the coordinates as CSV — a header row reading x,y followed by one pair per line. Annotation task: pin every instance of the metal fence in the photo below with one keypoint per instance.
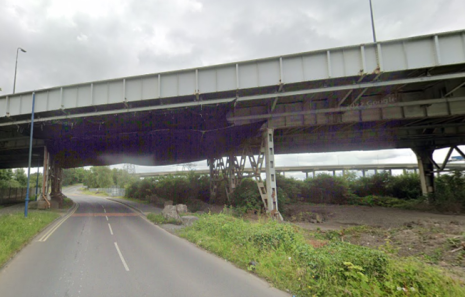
x,y
113,192
15,195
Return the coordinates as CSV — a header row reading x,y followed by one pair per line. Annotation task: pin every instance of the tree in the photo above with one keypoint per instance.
x,y
6,174
20,176
99,177
6,179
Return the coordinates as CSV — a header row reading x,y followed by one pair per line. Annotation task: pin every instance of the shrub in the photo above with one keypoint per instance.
x,y
450,192
291,186
405,186
376,184
246,196
325,188
383,201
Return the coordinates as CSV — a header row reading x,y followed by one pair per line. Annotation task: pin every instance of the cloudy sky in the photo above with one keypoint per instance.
x,y
78,41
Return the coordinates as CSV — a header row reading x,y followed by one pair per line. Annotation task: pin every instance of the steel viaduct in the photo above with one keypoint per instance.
x,y
404,93
314,169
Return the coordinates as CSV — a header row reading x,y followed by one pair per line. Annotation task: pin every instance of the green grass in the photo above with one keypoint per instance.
x,y
133,200
15,230
308,267
67,203
90,193
159,219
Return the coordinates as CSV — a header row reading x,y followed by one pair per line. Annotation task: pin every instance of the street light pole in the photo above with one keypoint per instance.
x,y
16,67
30,154
372,22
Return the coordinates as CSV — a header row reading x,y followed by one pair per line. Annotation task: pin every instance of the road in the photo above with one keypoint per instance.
x,y
106,249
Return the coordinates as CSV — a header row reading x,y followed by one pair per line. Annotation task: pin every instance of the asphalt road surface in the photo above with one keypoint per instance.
x,y
106,249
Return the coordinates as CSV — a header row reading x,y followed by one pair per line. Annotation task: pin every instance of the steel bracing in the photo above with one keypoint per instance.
x,y
232,170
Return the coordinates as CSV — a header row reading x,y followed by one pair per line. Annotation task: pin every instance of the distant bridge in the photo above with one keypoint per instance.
x,y
319,168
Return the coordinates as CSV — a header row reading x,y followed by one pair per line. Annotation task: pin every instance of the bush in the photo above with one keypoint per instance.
x,y
383,201
246,196
376,184
450,192
174,188
291,186
405,186
325,188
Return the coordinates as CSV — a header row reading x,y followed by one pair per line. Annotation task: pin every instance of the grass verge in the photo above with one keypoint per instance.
x,y
159,219
133,200
90,193
16,230
67,203
281,254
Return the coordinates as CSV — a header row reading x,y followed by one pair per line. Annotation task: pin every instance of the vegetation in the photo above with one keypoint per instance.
x,y
450,192
17,178
159,219
179,189
15,230
380,189
98,177
320,266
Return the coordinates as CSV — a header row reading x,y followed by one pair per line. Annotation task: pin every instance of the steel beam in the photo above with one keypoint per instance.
x,y
251,98
345,109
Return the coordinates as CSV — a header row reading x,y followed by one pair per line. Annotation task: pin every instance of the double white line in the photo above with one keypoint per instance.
x,y
58,224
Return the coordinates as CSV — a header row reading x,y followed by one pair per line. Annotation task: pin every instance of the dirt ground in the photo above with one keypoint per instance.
x,y
438,239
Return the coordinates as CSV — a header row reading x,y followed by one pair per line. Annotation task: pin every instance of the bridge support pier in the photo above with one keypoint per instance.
x,y
232,171
56,195
426,169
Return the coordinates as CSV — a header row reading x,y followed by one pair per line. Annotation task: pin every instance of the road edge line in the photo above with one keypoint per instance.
x,y
58,224
128,206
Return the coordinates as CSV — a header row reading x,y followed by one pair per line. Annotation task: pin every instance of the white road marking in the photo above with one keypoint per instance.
x,y
111,231
104,210
121,257
50,232
107,218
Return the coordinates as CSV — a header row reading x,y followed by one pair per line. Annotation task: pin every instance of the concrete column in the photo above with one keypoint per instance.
x,y
313,173
306,174
334,172
426,168
364,173
390,172
56,196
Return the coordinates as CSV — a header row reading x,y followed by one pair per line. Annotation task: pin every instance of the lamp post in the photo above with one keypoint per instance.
x,y
16,66
372,22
